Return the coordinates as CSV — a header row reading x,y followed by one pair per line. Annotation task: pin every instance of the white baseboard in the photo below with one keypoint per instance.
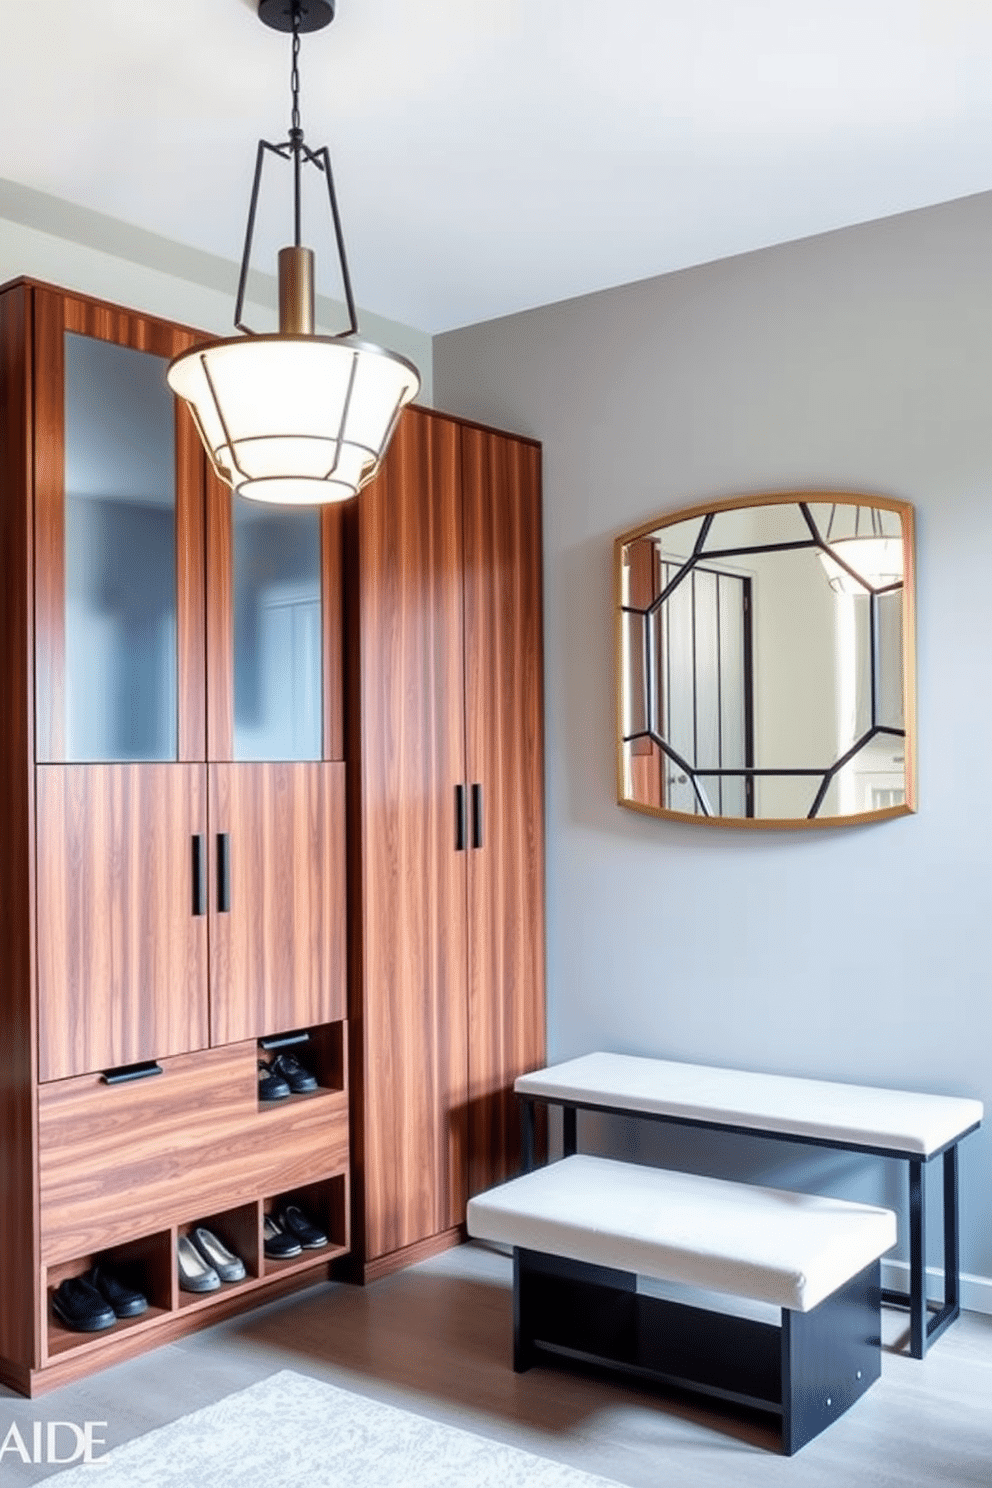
x,y
975,1291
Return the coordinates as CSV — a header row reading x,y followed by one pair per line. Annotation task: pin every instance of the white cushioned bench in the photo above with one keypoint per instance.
x,y
583,1229
915,1127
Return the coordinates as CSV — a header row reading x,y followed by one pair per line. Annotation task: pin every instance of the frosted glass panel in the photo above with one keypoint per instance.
x,y
120,554
278,709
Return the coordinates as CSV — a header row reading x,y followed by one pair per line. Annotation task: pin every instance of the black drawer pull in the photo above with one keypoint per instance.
x,y
124,1073
199,874
223,873
460,823
477,815
284,1040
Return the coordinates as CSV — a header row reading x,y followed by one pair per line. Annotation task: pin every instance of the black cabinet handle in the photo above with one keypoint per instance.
x,y
223,872
125,1073
283,1040
199,874
460,823
476,815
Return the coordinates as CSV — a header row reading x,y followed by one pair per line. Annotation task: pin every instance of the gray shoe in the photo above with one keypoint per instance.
x,y
195,1274
228,1266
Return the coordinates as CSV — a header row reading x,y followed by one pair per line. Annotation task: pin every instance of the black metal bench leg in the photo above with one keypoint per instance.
x,y
527,1136
951,1309
523,1350
927,1320
952,1258
569,1131
917,1260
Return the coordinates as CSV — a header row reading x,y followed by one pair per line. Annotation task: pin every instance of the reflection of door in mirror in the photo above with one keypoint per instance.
x,y
687,657
705,685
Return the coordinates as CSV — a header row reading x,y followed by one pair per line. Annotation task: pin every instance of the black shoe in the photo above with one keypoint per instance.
x,y
296,1223
279,1246
79,1306
270,1085
126,1301
298,1079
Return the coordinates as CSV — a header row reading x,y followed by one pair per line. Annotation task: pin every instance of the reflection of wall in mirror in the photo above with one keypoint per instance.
x,y
876,778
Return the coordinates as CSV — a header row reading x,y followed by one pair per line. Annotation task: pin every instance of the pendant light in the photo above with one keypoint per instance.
x,y
293,417
874,557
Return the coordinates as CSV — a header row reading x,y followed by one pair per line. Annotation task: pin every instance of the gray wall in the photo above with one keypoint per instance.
x,y
859,359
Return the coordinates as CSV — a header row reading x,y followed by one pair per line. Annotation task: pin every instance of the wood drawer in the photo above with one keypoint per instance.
x,y
121,1161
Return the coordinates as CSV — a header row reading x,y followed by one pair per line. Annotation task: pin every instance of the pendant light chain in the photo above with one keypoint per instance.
x,y
294,75
296,132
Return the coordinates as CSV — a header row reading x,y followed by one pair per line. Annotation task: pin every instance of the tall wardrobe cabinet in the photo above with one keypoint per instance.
x,y
172,873
445,761
267,776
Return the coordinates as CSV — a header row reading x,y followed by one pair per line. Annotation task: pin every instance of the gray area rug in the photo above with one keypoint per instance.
x,y
296,1432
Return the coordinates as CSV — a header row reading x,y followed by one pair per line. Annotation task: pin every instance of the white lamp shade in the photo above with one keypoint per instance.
x,y
876,560
296,420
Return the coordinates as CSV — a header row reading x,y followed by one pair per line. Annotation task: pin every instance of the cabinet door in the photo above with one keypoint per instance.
x,y
277,921
505,773
122,923
411,1022
119,553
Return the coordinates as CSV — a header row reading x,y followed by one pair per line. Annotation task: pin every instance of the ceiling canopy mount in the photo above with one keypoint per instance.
x,y
314,15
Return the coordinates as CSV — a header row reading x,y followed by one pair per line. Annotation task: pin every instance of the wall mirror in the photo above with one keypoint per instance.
x,y
765,671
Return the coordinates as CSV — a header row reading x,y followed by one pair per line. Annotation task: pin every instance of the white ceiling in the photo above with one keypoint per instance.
x,y
492,155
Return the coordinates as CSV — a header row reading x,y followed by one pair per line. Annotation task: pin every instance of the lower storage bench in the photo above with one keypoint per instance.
x,y
583,1230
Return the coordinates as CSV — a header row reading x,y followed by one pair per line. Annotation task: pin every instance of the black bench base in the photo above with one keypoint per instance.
x,y
806,1373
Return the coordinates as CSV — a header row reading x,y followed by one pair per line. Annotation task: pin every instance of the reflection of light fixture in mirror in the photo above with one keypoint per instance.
x,y
295,418
874,557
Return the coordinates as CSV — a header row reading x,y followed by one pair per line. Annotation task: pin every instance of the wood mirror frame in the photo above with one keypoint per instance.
x,y
765,661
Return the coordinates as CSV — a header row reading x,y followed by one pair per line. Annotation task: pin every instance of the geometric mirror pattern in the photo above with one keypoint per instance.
x,y
723,782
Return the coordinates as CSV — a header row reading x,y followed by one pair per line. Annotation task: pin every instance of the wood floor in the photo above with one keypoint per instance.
x,y
435,1339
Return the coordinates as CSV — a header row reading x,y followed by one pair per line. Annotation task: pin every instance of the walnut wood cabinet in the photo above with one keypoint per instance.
x,y
172,881
259,773
445,761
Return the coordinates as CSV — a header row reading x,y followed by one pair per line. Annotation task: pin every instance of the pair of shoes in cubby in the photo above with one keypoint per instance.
x,y
205,1261
96,1300
283,1076
291,1232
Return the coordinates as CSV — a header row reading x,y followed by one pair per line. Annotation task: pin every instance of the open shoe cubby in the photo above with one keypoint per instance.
x,y
146,1263
326,1204
149,1263
237,1229
323,1051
